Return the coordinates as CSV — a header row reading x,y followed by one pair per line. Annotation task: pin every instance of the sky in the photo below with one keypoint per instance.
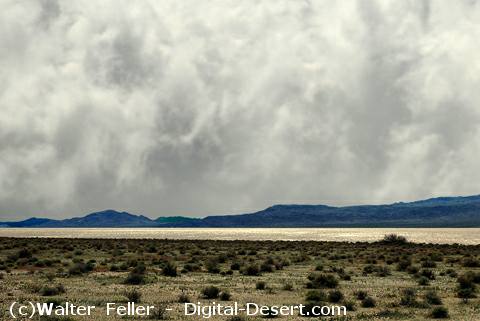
x,y
199,108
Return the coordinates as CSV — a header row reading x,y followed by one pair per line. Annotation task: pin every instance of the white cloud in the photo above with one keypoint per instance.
x,y
195,108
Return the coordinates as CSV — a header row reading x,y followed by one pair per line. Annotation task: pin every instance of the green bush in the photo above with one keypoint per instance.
x,y
335,296
260,285
252,270
133,295
316,296
225,296
471,262
431,297
368,302
136,276
394,239
80,268
423,281
466,286
169,269
213,266
361,295
319,281
210,292
439,313
183,298
287,287
52,290
408,298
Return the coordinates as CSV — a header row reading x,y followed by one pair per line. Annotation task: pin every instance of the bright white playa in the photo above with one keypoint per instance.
x,y
424,235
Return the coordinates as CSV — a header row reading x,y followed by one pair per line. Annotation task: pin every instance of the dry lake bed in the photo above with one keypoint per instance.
x,y
419,235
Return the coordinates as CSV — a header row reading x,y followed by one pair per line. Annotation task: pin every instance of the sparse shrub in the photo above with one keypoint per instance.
x,y
316,296
429,274
81,268
451,273
319,267
431,297
183,298
429,264
287,287
368,269
368,302
136,276
235,266
466,286
423,281
413,269
24,253
319,281
471,262
210,292
260,285
394,239
225,296
436,256
439,313
335,296
409,298
265,267
252,270
360,295
159,313
213,266
169,269
403,265
52,290
383,271
344,276
133,295
350,305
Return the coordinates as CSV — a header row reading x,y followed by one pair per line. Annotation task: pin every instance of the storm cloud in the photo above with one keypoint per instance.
x,y
216,107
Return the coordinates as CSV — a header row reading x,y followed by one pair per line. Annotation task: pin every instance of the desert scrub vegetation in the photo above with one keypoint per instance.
x,y
391,279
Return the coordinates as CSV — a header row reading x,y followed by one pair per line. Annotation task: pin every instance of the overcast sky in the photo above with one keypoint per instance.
x,y
215,107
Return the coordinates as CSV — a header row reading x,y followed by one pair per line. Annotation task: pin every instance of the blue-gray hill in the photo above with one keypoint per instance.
x,y
434,212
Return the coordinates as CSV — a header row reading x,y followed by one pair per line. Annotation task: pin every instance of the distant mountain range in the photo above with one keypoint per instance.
x,y
434,212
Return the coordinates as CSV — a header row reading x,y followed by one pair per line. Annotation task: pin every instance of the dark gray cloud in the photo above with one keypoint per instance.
x,y
197,108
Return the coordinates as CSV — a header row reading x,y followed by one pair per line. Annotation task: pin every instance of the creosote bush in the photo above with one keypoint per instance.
x,y
133,295
136,276
431,297
210,292
183,298
260,285
319,281
439,313
225,296
408,298
316,296
287,287
394,239
169,269
252,270
368,302
466,286
360,295
52,290
335,296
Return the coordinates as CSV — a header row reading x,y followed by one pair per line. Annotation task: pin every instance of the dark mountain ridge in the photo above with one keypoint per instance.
x,y
434,212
